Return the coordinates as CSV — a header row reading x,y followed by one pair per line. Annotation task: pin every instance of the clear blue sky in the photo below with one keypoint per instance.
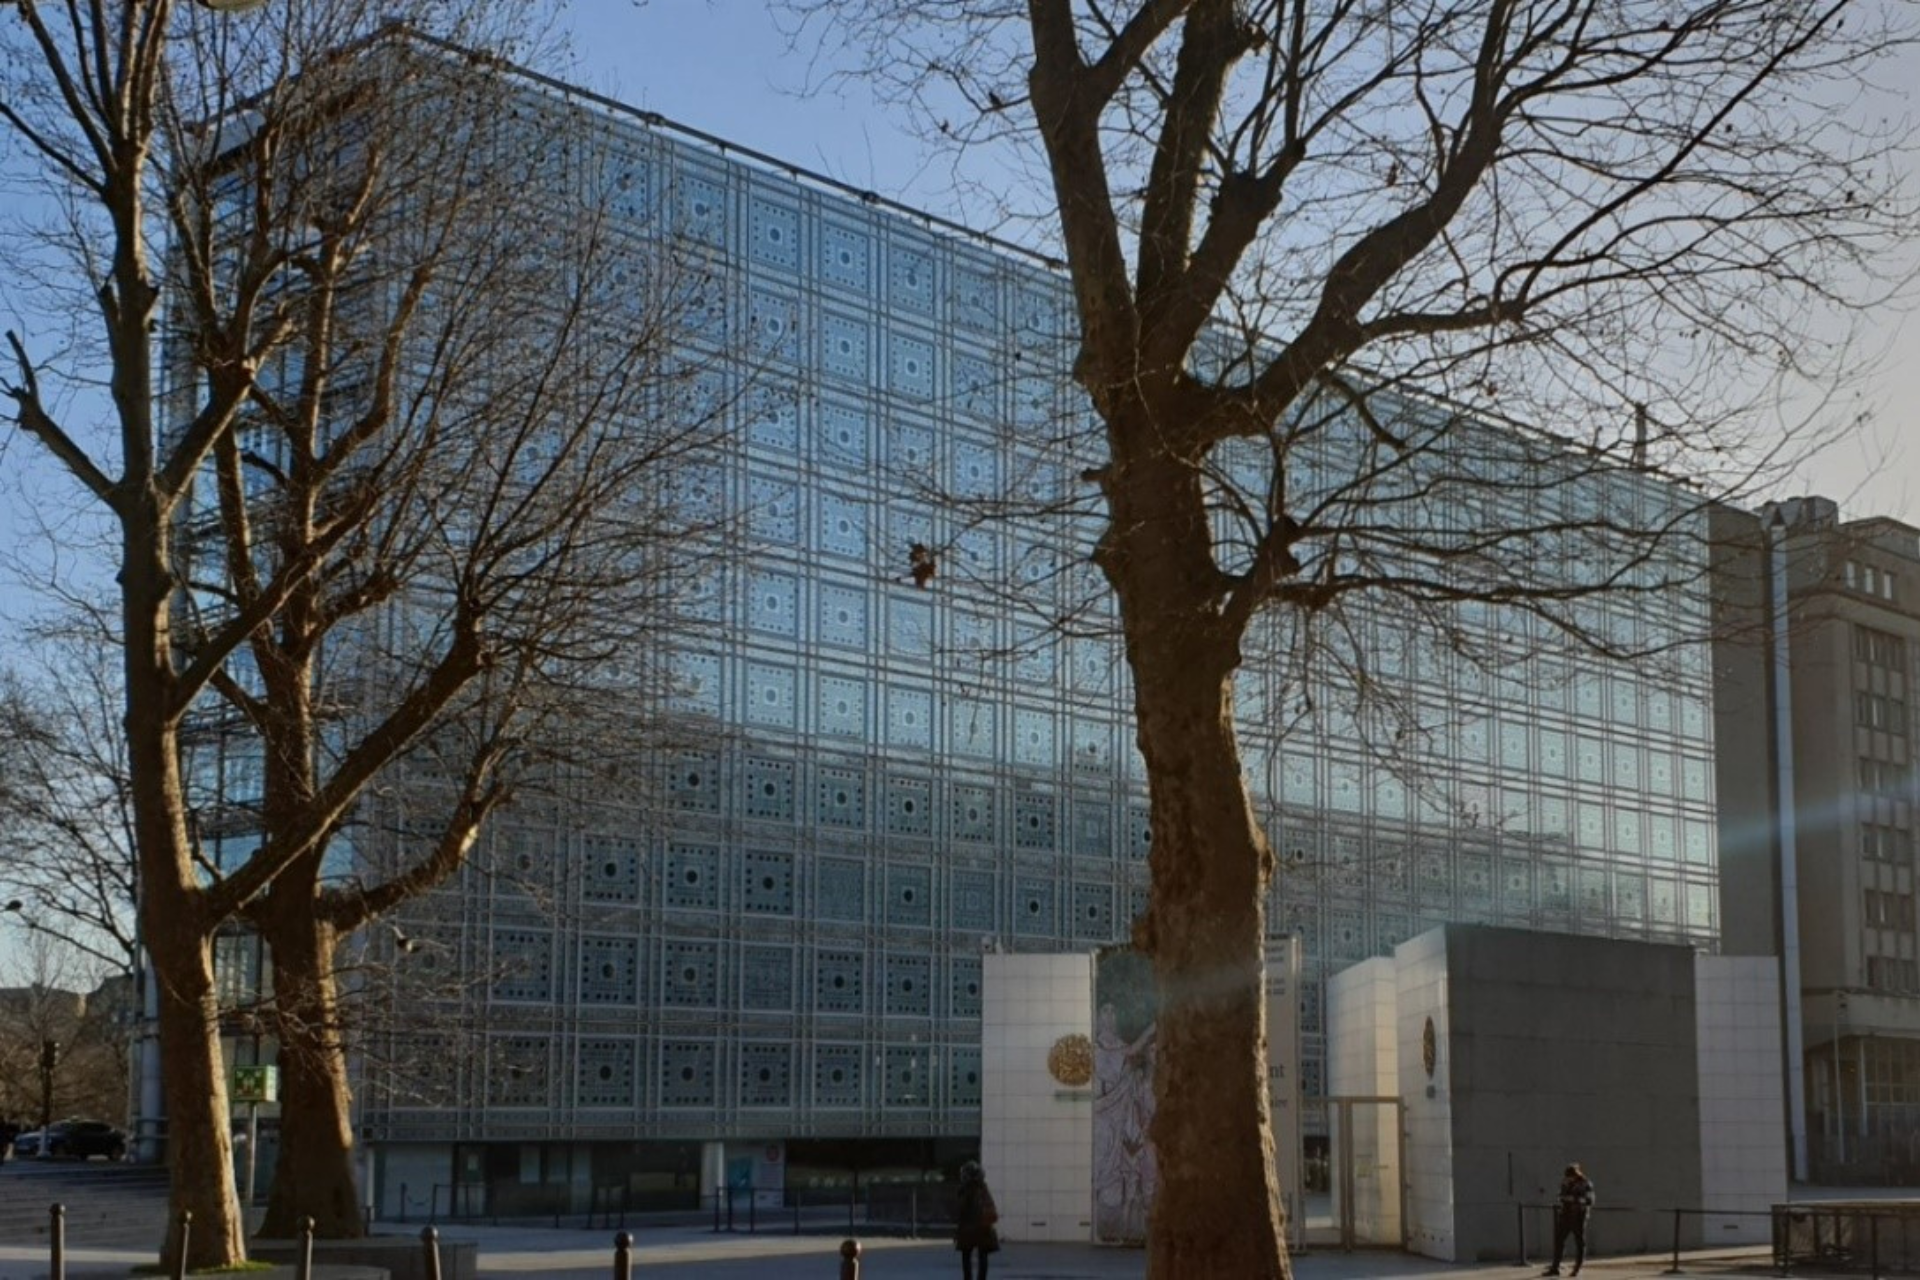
x,y
724,67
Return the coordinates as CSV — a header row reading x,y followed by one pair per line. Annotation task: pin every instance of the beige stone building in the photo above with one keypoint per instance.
x,y
1817,793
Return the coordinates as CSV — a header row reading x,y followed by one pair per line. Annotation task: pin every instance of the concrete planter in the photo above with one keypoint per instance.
x,y
398,1257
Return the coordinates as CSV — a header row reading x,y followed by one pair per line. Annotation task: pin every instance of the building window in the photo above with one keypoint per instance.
x,y
1885,844
1869,580
1879,649
1889,910
1883,778
1885,973
1876,711
1893,1069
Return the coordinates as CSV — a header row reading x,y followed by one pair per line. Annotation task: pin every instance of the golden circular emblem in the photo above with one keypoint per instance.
x,y
1071,1060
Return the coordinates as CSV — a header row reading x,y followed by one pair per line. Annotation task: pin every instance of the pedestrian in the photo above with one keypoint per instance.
x,y
1570,1219
974,1230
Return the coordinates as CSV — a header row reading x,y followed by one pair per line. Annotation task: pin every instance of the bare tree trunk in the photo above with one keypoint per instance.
x,y
314,1175
199,1146
178,935
1214,1213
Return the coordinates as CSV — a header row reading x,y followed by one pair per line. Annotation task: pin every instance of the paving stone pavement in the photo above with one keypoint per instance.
x,y
699,1255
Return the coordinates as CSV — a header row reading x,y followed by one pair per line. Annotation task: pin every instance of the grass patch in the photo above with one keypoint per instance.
x,y
237,1269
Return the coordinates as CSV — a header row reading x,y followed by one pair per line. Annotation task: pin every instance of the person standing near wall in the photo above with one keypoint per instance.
x,y
974,1226
1570,1219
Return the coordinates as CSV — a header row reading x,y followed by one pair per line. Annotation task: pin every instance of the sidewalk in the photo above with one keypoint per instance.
x,y
696,1254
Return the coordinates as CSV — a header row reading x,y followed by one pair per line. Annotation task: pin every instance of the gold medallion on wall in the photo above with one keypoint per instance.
x,y
1070,1061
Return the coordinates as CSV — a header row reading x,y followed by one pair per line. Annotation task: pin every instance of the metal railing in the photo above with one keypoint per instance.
x,y
1881,1240
909,1209
1634,1229
1872,1238
846,1256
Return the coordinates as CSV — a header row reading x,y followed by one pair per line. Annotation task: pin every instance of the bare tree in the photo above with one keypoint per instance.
x,y
1371,301
63,1024
384,453
65,812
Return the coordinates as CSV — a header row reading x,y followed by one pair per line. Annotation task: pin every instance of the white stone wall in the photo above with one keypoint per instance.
x,y
1363,1060
1361,1030
1743,1154
1283,1081
1036,1133
1421,993
1625,1123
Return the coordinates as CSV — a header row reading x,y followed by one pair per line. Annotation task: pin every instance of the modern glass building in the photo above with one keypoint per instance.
x,y
765,962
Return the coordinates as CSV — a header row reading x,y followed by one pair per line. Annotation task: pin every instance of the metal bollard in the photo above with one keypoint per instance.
x,y
186,1236
57,1242
430,1246
849,1260
303,1261
1520,1222
623,1257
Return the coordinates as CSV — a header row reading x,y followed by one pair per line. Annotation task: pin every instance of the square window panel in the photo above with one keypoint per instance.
x,y
842,707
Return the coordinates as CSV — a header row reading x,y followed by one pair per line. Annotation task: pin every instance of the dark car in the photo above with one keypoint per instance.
x,y
79,1139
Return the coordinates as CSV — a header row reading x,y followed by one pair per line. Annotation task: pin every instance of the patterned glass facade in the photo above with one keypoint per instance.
x,y
781,937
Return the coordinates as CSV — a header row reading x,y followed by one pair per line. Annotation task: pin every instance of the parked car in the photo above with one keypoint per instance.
x,y
79,1139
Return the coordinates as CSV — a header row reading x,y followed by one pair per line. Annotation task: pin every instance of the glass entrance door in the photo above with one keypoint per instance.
x,y
1366,1208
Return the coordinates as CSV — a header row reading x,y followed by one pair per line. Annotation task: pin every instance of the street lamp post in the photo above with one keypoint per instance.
x,y
49,1058
1839,1086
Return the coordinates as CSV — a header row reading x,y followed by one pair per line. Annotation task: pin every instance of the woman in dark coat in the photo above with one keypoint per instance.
x,y
974,1230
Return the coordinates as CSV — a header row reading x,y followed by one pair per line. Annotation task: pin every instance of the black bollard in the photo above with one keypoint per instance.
x,y
430,1246
57,1242
186,1237
849,1260
303,1261
623,1257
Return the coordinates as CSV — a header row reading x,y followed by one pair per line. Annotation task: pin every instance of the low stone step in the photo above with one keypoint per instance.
x,y
400,1257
